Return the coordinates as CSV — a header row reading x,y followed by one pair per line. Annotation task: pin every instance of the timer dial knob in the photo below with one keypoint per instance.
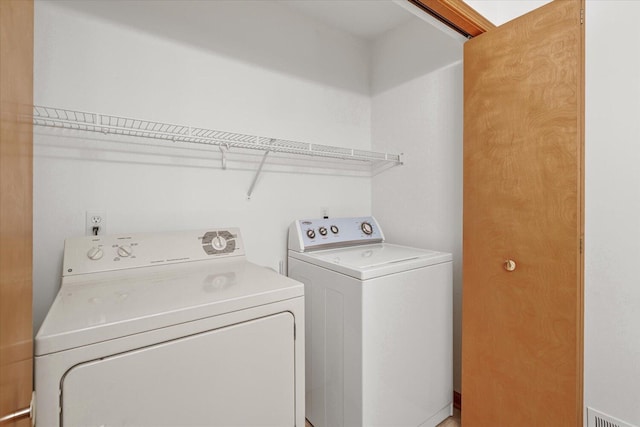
x,y
124,251
95,253
323,231
334,229
219,243
366,228
311,234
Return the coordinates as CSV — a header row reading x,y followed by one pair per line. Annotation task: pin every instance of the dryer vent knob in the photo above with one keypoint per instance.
x,y
95,253
125,251
219,243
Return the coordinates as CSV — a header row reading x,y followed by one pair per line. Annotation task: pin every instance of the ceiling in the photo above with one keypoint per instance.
x,y
366,19
500,11
369,19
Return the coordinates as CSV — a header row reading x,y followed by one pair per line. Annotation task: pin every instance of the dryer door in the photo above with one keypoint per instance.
x,y
240,375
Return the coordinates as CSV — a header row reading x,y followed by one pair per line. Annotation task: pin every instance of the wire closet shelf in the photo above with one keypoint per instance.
x,y
119,125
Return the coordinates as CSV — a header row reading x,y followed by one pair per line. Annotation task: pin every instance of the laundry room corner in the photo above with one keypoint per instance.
x,y
282,76
417,110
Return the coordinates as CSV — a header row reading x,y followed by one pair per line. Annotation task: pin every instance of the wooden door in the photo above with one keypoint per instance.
x,y
523,201
16,99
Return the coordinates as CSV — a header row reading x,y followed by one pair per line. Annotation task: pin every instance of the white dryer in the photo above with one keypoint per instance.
x,y
378,326
171,329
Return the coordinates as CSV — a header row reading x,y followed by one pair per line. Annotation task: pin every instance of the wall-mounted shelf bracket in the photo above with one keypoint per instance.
x,y
223,153
255,178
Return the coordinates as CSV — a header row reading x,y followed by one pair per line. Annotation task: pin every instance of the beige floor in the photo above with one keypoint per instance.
x,y
453,421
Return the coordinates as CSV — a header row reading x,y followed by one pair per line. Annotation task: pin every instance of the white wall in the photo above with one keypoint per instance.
x,y
250,67
612,211
417,110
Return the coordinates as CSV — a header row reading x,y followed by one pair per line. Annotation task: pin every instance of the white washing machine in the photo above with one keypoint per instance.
x,y
170,329
378,326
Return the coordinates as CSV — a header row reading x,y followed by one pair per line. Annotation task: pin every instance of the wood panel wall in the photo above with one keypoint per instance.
x,y
16,158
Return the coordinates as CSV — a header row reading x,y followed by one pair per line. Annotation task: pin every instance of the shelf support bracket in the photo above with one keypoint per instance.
x,y
255,178
224,154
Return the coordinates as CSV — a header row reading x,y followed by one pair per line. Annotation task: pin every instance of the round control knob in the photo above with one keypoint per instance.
x,y
366,228
95,253
323,231
334,229
311,234
124,251
219,243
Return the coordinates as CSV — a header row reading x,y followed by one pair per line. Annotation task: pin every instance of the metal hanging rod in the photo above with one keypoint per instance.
x,y
118,125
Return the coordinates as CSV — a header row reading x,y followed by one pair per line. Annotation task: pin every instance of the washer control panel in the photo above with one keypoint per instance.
x,y
91,254
310,234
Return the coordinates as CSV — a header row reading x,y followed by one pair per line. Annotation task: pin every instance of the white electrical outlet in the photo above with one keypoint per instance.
x,y
96,223
325,212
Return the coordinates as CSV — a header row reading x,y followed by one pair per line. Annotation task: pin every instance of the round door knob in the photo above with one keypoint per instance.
x,y
94,253
124,251
509,265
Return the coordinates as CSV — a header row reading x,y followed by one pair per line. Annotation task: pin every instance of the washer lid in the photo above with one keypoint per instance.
x,y
369,261
91,308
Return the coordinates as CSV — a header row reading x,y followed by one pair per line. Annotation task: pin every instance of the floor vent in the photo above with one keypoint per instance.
x,y
598,419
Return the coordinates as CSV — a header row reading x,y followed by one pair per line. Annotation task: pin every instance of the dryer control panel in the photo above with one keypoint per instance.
x,y
324,233
92,254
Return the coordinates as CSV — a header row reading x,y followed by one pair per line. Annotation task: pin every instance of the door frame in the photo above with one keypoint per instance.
x,y
467,21
457,15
